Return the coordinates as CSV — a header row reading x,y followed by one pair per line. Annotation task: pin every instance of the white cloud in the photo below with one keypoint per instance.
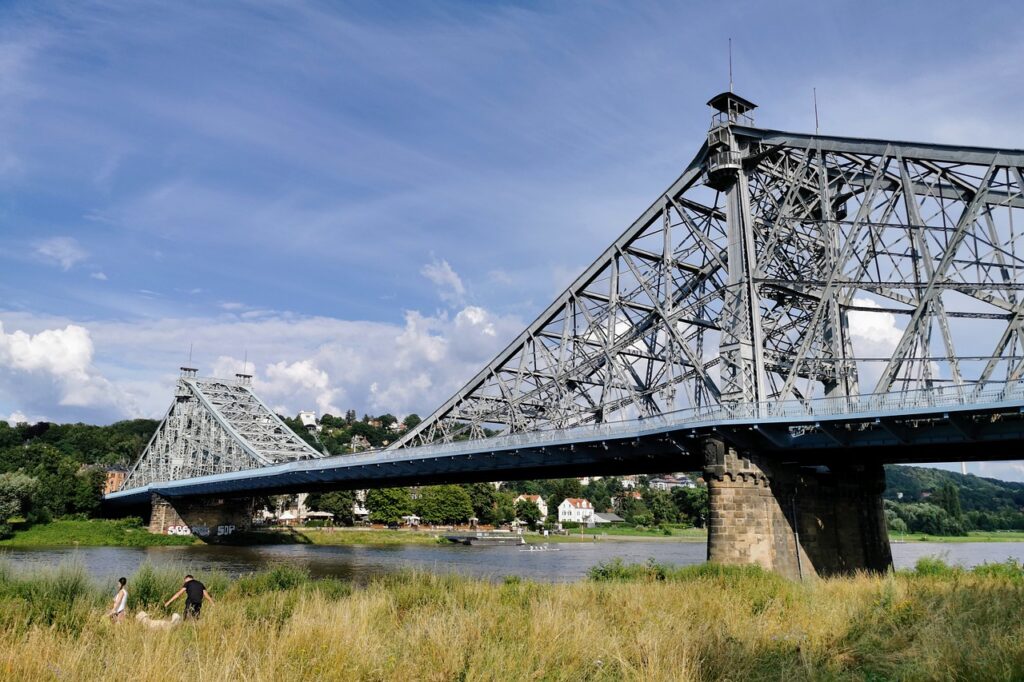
x,y
298,381
54,367
232,305
298,362
101,276
63,251
876,332
17,417
449,285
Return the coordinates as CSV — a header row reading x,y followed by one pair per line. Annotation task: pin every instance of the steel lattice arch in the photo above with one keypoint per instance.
x,y
759,275
215,426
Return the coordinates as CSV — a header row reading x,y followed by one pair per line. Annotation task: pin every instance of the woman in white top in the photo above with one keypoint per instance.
x,y
120,601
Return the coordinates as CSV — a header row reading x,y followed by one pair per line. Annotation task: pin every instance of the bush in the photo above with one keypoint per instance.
x,y
934,567
1010,568
278,578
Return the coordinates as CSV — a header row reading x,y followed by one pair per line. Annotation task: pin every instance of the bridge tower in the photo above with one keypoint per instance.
x,y
795,520
741,348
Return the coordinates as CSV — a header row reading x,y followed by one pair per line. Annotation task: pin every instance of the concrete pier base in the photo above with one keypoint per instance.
x,y
794,520
210,519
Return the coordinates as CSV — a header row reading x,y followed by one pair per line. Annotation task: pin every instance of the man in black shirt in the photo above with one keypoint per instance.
x,y
194,592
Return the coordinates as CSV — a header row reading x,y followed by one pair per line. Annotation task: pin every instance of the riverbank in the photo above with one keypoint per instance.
x,y
131,533
973,536
627,622
92,533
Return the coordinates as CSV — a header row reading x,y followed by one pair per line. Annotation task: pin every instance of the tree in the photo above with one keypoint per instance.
x,y
948,497
444,504
484,498
528,512
412,421
16,493
338,502
504,508
692,504
659,502
597,493
388,505
634,511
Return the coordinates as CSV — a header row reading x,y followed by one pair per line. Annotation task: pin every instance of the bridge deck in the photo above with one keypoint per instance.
x,y
924,426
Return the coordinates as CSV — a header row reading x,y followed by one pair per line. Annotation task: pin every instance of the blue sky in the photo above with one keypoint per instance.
x,y
368,200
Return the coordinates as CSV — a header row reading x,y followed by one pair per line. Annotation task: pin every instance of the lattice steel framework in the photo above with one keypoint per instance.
x,y
215,426
778,266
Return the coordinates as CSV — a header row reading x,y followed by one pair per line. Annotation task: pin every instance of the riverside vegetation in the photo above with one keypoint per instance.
x,y
632,622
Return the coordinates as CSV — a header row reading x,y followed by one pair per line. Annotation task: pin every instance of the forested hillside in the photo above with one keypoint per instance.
x,y
939,502
53,470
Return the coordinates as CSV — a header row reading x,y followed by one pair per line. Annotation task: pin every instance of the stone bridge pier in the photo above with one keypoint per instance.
x,y
795,520
211,519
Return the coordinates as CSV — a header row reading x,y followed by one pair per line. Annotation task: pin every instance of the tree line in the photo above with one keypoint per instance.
x,y
490,505
58,470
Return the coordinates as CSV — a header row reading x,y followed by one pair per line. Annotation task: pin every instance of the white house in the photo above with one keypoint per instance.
x,y
537,500
575,510
670,482
308,420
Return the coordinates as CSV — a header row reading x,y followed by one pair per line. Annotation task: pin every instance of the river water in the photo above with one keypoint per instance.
x,y
564,562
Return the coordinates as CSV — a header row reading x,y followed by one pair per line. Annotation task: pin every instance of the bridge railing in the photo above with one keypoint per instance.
x,y
874,404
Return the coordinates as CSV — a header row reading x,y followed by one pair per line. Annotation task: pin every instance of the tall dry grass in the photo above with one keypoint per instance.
x,y
626,623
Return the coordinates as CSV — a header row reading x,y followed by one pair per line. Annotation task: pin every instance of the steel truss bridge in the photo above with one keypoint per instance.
x,y
814,297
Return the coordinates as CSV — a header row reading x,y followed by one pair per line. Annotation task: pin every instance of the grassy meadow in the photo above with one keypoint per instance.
x,y
627,622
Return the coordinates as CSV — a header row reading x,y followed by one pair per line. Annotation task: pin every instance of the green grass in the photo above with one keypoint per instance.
x,y
973,536
93,533
626,622
367,536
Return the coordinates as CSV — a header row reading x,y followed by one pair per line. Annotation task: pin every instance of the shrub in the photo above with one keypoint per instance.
x,y
1010,568
933,566
278,578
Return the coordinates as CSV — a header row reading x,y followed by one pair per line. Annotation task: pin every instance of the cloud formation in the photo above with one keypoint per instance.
x,y
62,251
55,365
449,285
298,362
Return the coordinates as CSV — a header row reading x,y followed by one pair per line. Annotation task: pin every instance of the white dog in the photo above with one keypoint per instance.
x,y
154,624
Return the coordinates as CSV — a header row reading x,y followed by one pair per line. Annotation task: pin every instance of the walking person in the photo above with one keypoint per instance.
x,y
120,601
194,592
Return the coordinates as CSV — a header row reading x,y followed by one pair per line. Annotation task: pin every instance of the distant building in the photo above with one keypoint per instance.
x,y
115,478
629,482
670,482
359,442
397,427
537,500
604,518
575,510
308,420
587,480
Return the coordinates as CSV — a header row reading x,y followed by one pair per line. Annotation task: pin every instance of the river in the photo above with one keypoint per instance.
x,y
564,562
